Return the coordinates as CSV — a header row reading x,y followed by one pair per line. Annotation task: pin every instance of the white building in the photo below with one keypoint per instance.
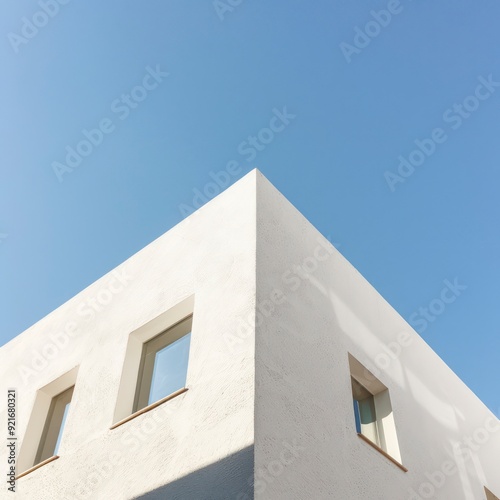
x,y
297,381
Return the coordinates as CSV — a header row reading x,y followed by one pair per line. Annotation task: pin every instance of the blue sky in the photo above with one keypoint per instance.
x,y
356,103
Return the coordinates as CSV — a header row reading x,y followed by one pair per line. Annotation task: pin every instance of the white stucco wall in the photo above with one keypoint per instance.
x,y
186,442
270,402
303,390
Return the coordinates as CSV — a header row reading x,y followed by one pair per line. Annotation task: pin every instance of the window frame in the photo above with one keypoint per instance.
x,y
39,414
176,311
53,429
489,494
368,429
150,348
381,432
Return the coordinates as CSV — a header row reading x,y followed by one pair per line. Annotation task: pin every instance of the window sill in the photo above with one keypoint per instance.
x,y
37,466
380,450
149,407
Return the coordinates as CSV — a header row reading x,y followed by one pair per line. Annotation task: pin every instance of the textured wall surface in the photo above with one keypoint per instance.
x,y
201,440
303,391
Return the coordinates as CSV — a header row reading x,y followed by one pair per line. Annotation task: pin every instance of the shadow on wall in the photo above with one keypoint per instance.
x,y
229,478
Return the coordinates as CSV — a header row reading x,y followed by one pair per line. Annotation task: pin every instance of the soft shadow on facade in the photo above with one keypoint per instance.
x,y
229,478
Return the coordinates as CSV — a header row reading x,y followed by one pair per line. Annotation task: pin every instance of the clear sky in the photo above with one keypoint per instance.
x,y
351,104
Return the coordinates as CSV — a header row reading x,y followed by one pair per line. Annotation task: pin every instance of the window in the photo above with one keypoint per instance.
x,y
364,412
373,416
45,429
164,362
54,426
155,366
489,494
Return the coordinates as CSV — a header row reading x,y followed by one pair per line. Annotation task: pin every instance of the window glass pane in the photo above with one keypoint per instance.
x,y
367,410
54,424
368,419
356,416
61,429
170,369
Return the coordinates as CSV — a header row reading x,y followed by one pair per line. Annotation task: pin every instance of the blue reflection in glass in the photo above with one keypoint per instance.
x,y
61,429
357,417
170,369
